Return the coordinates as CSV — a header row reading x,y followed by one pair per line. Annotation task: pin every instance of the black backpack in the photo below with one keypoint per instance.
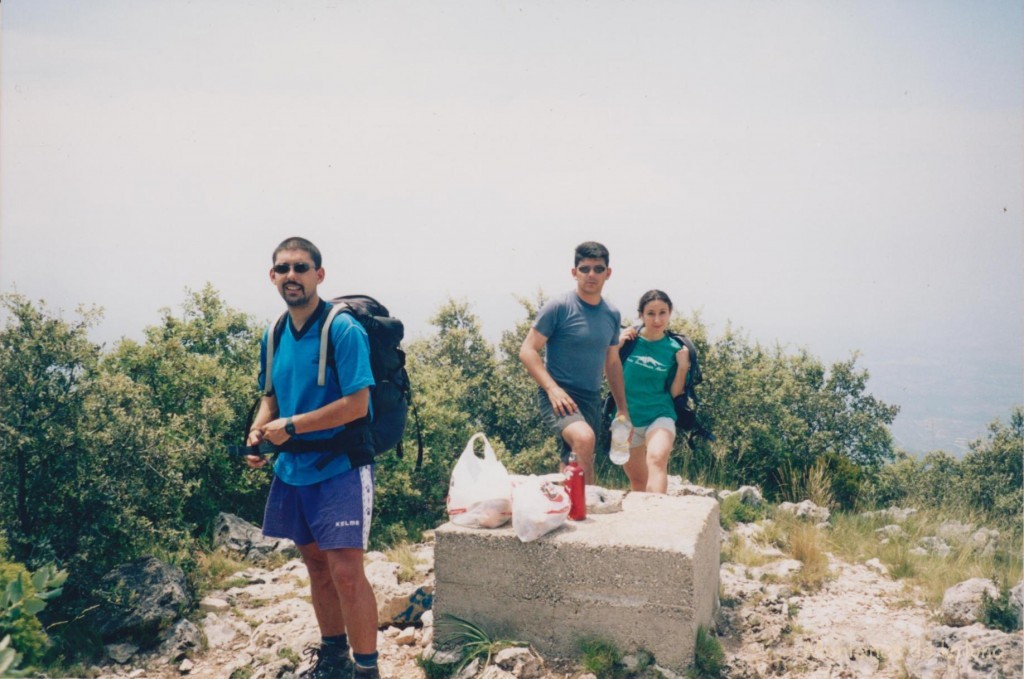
x,y
391,396
686,403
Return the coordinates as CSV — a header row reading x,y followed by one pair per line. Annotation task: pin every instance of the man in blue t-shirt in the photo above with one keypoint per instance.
x,y
580,332
326,511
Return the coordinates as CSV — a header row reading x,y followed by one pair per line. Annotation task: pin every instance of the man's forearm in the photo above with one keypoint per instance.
x,y
617,385
346,409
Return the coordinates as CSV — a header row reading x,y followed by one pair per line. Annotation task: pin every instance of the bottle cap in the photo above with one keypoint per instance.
x,y
572,456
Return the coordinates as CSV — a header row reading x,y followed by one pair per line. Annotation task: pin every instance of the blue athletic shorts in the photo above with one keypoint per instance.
x,y
335,513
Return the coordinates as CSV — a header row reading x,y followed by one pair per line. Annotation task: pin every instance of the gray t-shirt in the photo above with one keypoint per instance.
x,y
579,335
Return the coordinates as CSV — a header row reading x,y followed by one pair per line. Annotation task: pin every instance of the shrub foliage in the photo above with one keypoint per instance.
x,y
107,455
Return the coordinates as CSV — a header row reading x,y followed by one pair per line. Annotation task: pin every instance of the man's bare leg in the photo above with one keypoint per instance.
x,y
581,440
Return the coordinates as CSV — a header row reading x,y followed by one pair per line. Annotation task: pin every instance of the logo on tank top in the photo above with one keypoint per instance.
x,y
650,362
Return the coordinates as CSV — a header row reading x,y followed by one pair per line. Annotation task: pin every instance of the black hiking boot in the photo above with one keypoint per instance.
x,y
329,662
359,672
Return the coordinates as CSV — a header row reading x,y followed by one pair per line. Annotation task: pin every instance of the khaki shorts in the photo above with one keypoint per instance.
x,y
641,435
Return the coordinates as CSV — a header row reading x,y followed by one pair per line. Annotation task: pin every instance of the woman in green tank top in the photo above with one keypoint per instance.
x,y
654,372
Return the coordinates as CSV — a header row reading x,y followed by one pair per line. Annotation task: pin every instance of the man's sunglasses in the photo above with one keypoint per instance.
x,y
598,269
300,267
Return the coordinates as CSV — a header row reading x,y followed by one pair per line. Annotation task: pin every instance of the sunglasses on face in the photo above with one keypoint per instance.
x,y
598,269
300,267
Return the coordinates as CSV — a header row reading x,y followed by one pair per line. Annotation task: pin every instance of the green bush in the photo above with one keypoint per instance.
x,y
988,482
708,656
600,657
999,613
733,510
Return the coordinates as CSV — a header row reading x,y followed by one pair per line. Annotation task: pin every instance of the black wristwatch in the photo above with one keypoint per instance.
x,y
289,427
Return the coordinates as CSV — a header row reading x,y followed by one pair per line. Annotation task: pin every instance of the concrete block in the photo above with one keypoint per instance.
x,y
643,578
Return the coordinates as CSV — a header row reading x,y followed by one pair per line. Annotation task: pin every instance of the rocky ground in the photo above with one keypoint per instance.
x,y
860,623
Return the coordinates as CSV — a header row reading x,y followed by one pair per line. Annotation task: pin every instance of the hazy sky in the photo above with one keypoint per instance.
x,y
834,175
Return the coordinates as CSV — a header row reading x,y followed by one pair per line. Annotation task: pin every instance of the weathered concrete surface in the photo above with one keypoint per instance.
x,y
644,578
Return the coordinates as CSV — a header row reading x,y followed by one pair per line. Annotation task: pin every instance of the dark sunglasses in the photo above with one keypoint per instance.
x,y
598,269
300,267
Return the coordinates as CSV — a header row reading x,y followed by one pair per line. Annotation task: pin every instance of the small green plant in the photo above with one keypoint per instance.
x,y
435,670
242,673
472,640
998,613
708,656
290,655
733,510
600,657
217,571
738,550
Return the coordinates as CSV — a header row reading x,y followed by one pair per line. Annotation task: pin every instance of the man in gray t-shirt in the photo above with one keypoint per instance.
x,y
581,333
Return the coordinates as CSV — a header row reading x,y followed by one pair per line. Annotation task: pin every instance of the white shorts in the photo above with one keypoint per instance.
x,y
642,435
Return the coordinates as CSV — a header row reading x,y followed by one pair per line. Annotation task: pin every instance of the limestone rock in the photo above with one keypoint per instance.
x,y
748,531
805,510
213,605
495,672
934,545
877,566
220,632
521,662
398,603
669,674
121,653
894,514
778,569
427,619
186,666
973,652
148,595
406,637
955,531
749,495
891,532
983,541
181,639
243,538
469,670
678,488
961,604
1017,600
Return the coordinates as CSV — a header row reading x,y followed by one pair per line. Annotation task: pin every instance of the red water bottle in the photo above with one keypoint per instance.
x,y
576,486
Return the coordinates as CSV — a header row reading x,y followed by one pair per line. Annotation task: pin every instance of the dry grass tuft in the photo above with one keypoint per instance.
x,y
407,561
807,545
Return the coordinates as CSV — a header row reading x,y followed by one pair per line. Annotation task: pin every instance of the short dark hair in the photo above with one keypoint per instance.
x,y
591,250
297,243
652,296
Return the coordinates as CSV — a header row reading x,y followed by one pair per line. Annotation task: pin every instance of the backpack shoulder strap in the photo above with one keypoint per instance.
x,y
273,337
325,332
627,347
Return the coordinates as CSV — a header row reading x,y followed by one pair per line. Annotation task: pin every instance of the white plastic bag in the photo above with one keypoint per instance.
x,y
480,492
539,506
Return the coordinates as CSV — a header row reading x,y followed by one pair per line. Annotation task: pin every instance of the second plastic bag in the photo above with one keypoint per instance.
x,y
539,506
480,492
